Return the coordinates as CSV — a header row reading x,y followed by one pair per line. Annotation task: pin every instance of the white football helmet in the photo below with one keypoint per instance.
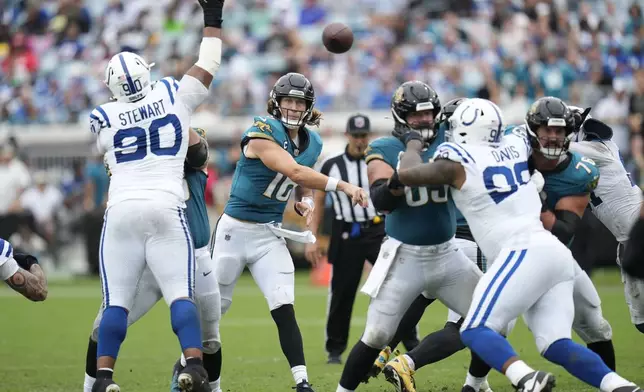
x,y
476,121
128,77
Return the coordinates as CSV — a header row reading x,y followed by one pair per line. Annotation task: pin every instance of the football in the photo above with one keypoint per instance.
x,y
337,38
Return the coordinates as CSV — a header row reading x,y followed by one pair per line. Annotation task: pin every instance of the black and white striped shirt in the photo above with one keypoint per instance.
x,y
354,171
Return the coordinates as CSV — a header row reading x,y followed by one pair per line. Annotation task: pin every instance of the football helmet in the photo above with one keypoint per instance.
x,y
127,75
293,85
550,112
476,121
411,97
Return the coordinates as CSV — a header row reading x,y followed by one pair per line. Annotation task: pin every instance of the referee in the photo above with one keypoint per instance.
x,y
356,235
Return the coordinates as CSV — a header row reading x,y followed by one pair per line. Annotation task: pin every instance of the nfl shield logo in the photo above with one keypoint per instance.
x,y
359,122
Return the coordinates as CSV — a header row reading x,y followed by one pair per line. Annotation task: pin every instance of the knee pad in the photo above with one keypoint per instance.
x,y
640,327
593,327
280,296
376,337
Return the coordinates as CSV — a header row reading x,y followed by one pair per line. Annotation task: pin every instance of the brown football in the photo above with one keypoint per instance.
x,y
337,37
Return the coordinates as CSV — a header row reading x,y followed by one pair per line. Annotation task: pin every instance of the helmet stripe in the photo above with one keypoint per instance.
x,y
130,82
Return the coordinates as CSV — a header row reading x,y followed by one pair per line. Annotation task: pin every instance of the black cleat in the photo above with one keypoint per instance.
x,y
334,359
536,382
193,378
105,385
630,388
304,386
467,388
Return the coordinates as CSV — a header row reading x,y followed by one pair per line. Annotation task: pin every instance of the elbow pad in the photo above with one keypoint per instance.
x,y
565,226
381,196
197,155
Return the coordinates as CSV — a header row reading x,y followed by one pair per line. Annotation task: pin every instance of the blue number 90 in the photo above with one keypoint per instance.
x,y
141,141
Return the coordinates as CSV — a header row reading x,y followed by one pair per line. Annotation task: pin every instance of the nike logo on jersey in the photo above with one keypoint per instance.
x,y
207,273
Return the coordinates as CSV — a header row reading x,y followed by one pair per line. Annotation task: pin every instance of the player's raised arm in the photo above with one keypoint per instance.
x,y
276,159
193,88
207,65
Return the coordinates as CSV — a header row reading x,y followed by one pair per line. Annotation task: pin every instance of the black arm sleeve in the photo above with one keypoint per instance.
x,y
381,196
197,155
565,226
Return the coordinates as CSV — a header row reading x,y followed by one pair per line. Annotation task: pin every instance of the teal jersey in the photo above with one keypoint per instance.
x,y
196,207
258,194
574,176
425,215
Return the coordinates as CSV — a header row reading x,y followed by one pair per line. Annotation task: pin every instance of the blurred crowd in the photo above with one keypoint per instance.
x,y
53,53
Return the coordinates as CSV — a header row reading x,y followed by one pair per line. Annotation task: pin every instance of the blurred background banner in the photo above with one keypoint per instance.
x,y
53,54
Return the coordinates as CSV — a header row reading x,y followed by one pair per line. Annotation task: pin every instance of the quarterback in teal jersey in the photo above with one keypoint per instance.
x,y
206,286
278,152
569,180
418,255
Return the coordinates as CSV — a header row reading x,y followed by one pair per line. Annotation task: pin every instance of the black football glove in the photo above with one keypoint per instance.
x,y
580,115
212,11
405,135
633,262
25,261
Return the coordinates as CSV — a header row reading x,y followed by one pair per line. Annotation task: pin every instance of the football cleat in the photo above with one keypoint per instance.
x,y
334,359
303,386
485,387
380,363
105,385
193,379
628,388
536,382
398,373
174,384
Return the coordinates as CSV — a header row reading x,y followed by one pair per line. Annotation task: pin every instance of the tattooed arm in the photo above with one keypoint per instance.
x,y
32,284
413,172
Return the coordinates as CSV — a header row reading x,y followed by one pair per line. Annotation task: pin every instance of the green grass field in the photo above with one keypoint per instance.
x,y
42,345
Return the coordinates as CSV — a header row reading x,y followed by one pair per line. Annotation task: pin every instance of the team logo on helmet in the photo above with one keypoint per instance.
x,y
398,95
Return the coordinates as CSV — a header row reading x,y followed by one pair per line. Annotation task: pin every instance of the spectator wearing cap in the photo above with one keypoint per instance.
x,y
356,234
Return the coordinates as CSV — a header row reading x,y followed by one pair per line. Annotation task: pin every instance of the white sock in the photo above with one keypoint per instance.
x,y
214,385
474,382
612,381
183,360
342,389
299,374
88,383
517,371
410,362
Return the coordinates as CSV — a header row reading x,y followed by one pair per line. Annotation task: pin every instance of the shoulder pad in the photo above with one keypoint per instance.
x,y
171,85
596,130
453,152
384,148
261,128
588,171
98,120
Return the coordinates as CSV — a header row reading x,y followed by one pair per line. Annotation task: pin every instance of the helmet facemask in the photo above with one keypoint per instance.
x,y
552,140
425,128
292,119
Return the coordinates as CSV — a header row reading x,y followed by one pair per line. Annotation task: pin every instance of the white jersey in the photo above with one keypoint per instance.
x,y
616,200
145,142
498,200
8,266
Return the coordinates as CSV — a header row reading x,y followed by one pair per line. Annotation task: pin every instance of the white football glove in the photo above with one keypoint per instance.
x,y
538,180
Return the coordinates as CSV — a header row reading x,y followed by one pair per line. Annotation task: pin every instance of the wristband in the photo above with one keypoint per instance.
x,y
331,184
